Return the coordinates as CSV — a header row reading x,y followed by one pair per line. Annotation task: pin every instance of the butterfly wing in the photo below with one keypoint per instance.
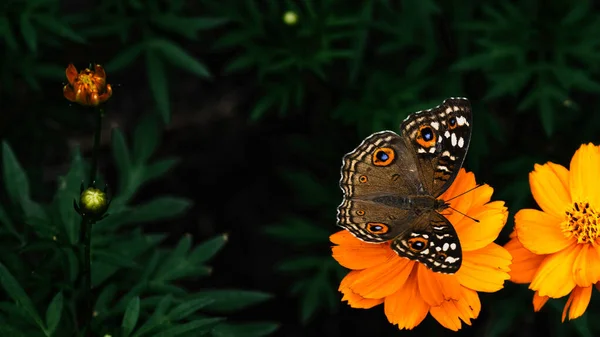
x,y
380,167
439,139
432,240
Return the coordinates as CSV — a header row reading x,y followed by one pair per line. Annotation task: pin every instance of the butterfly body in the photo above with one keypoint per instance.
x,y
392,184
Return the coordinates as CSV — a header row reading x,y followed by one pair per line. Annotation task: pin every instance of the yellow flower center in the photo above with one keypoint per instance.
x,y
583,223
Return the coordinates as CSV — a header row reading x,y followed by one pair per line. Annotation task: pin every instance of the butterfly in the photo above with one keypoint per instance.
x,y
391,184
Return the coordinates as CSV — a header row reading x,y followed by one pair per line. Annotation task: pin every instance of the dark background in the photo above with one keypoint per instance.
x,y
260,140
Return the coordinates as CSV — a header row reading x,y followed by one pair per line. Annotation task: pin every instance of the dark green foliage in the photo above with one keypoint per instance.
x,y
341,71
137,281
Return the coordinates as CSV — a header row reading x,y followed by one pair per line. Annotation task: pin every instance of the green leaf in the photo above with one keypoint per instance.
x,y
16,292
303,263
28,32
263,105
298,232
159,168
57,27
206,250
256,329
228,301
158,316
68,190
54,312
179,57
241,63
159,84
197,326
114,259
8,34
121,157
158,209
145,139
187,308
15,179
7,330
130,318
125,58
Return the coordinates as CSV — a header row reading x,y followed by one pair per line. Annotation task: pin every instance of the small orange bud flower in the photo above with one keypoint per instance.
x,y
87,87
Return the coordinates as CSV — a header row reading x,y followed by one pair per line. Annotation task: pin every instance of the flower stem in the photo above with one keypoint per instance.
x,y
86,231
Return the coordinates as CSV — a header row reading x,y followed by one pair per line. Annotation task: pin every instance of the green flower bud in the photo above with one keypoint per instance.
x,y
93,202
290,18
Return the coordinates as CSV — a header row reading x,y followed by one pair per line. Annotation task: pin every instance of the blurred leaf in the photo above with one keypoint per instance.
x,y
121,157
7,330
57,27
16,292
159,168
68,190
130,318
207,250
197,326
187,308
303,263
158,209
179,57
15,179
54,313
145,139
228,301
298,231
256,329
125,58
159,84
28,31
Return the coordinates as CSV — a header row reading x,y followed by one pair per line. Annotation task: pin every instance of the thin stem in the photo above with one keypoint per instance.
x,y
86,232
97,136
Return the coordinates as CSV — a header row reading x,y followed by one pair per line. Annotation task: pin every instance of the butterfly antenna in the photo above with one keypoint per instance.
x,y
459,212
463,193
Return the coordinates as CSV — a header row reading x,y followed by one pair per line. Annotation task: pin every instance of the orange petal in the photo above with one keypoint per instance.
x,y
406,307
550,188
586,269
584,183
356,301
353,253
451,312
539,301
437,287
524,263
578,302
99,72
382,280
485,269
71,73
540,232
475,235
481,195
555,278
69,93
464,181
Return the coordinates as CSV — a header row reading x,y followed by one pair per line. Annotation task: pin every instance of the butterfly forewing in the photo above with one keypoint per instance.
x,y
440,139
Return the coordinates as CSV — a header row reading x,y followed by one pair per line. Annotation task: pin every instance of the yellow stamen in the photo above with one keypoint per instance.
x,y
583,223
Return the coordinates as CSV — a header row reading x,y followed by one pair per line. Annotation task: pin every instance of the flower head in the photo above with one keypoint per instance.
x,y
87,87
408,289
557,249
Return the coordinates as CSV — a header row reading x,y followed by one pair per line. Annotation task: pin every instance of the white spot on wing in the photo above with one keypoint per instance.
x,y
447,134
454,140
435,125
461,142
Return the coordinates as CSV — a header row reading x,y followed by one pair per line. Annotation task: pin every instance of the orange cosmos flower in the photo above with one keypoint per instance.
x,y
88,87
409,290
557,250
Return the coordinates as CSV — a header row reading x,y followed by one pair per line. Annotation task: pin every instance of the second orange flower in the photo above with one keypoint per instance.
x,y
88,87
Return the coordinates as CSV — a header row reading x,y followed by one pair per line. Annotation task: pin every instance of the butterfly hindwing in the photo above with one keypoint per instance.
x,y
431,240
440,139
